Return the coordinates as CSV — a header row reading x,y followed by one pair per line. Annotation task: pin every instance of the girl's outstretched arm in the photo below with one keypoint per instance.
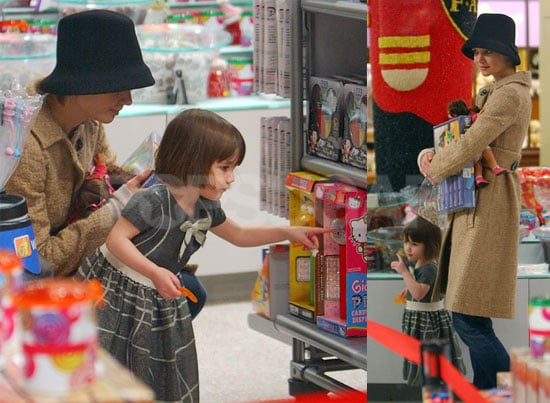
x,y
244,236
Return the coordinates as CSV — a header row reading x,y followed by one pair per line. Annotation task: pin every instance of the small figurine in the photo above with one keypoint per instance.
x,y
94,192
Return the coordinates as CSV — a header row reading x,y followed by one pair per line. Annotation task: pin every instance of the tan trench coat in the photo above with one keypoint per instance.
x,y
478,262
49,173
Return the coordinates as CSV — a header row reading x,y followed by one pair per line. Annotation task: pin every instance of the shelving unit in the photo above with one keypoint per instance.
x,y
315,24
318,22
53,13
315,354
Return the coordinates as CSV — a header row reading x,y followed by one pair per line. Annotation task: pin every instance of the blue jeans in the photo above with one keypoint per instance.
x,y
487,354
193,284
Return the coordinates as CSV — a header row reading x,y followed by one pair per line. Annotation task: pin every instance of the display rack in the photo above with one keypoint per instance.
x,y
315,24
314,353
318,22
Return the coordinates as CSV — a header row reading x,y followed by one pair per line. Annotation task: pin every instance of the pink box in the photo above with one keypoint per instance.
x,y
342,273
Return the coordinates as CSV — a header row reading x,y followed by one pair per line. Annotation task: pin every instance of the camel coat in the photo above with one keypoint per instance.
x,y
478,261
49,173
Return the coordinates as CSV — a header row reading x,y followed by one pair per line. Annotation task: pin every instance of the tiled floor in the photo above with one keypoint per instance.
x,y
238,364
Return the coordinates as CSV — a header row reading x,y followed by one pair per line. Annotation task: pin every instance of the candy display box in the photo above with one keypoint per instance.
x,y
325,125
354,142
342,267
301,212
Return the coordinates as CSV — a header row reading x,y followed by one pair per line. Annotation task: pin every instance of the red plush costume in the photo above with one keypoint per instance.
x,y
417,69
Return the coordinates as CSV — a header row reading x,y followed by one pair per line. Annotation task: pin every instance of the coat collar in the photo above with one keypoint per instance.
x,y
46,128
519,77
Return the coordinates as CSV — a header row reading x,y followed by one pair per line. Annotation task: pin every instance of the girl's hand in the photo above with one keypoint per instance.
x,y
307,236
167,283
398,265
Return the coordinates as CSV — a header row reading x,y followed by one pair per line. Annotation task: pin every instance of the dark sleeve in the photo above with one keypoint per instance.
x,y
215,211
144,209
427,274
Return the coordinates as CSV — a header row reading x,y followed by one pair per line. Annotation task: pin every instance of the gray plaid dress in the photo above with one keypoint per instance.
x,y
424,320
150,335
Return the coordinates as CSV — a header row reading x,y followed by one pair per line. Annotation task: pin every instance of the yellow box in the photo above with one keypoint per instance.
x,y
301,212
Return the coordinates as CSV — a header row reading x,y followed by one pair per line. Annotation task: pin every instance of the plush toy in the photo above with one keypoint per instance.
x,y
94,192
417,68
458,107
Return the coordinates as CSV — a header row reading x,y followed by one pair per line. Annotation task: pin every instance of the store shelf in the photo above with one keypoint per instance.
x,y
252,102
352,350
347,9
236,50
174,5
317,22
344,173
266,326
315,353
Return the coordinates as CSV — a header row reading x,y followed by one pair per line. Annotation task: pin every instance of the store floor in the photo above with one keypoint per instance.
x,y
239,364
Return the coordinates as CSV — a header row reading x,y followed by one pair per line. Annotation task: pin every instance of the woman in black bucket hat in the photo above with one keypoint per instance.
x,y
479,255
98,62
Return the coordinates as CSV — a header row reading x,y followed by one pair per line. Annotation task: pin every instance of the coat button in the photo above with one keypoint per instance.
x,y
514,165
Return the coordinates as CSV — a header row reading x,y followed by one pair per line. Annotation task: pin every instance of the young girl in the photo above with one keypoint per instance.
x,y
146,323
422,319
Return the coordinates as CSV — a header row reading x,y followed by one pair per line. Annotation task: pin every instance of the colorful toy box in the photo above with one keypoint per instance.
x,y
325,123
301,212
343,260
456,191
354,142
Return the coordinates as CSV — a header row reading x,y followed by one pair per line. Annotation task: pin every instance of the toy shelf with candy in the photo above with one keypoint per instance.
x,y
321,111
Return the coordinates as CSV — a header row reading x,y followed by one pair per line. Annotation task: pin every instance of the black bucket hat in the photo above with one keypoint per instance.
x,y
97,53
496,32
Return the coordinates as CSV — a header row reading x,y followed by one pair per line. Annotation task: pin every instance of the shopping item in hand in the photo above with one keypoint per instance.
x,y
455,192
425,203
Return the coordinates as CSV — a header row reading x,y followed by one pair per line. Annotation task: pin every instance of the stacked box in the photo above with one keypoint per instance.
x,y
456,191
354,142
270,292
274,164
301,212
325,123
343,208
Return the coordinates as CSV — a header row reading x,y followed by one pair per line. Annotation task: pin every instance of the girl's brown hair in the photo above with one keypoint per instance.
x,y
192,142
422,231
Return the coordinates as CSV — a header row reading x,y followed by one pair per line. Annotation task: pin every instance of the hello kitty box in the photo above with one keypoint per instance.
x,y
343,209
